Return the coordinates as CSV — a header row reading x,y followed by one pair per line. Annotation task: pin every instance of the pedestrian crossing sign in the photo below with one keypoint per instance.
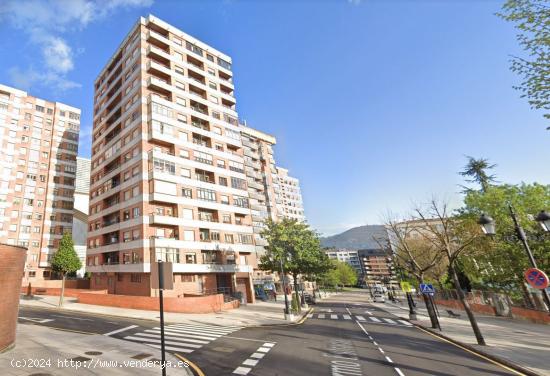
x,y
427,288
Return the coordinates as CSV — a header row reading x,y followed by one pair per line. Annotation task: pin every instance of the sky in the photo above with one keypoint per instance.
x,y
374,103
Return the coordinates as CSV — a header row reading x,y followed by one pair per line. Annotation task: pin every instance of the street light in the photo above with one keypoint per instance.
x,y
488,226
544,219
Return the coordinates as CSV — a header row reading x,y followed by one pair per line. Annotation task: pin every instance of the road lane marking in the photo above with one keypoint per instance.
x,y
374,319
390,321
334,317
388,359
264,349
368,313
242,370
191,364
190,331
360,318
121,330
250,362
310,315
374,343
347,317
321,316
170,336
398,371
35,319
257,355
405,322
180,334
382,351
167,341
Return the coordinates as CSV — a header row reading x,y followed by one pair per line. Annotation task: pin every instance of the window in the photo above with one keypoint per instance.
x,y
186,173
238,183
188,213
161,165
223,181
135,277
226,217
13,228
190,258
220,163
245,238
224,64
236,166
229,238
240,201
184,154
167,254
32,274
211,72
187,192
136,212
224,199
212,85
189,235
206,194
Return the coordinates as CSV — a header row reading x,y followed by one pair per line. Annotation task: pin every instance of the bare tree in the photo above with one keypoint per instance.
x,y
452,236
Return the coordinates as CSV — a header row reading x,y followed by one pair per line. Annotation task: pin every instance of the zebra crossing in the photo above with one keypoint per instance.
x,y
184,338
361,318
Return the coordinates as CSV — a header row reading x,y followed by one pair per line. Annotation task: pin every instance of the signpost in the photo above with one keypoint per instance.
x,y
426,288
536,278
161,278
406,287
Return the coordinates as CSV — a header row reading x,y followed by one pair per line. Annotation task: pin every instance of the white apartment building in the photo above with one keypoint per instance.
x,y
346,255
288,196
81,207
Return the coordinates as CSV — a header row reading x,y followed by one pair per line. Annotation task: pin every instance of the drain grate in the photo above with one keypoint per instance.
x,y
93,353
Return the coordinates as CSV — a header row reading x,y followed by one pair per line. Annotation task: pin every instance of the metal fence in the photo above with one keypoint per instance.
x,y
501,302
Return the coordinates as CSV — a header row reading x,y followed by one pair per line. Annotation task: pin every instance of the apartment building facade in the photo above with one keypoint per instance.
x,y
81,207
168,178
39,144
377,267
349,256
288,196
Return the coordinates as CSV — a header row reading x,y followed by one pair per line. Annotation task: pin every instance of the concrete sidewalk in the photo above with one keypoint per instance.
x,y
257,314
517,341
44,351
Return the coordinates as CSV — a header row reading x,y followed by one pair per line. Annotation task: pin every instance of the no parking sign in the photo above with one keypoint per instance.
x,y
536,278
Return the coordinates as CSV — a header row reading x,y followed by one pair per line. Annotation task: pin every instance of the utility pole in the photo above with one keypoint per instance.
x,y
161,305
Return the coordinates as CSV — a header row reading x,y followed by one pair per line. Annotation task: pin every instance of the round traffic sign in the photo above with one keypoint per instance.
x,y
536,278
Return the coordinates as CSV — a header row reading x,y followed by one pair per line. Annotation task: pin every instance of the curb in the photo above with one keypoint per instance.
x,y
505,362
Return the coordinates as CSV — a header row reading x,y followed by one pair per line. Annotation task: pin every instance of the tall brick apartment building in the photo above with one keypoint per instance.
x,y
38,148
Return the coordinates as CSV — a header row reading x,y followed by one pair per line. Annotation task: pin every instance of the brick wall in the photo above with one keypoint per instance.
x,y
56,283
11,274
202,304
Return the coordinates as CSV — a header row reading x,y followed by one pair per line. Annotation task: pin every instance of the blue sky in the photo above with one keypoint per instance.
x,y
374,103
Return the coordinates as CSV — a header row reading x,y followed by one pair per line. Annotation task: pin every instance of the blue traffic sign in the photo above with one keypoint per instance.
x,y
427,288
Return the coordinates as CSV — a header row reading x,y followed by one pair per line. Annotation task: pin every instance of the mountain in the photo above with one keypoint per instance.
x,y
361,237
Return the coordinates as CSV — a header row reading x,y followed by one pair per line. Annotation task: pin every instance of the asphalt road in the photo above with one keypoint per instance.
x,y
343,336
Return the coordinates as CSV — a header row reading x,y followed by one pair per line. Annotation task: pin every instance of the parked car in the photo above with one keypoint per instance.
x,y
379,298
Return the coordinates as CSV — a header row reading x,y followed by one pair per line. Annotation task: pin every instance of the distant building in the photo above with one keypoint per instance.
x,y
346,255
80,214
289,196
377,267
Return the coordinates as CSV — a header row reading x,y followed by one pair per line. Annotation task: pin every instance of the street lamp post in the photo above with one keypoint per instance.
x,y
488,225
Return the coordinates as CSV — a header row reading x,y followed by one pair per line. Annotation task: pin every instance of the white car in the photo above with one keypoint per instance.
x,y
379,298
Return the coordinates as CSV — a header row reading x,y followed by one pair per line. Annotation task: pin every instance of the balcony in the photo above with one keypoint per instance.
x,y
154,37
159,67
159,84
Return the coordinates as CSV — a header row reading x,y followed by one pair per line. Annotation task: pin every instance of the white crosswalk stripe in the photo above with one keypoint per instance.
x,y
371,319
183,338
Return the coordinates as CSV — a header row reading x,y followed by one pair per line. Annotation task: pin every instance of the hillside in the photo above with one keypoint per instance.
x,y
361,237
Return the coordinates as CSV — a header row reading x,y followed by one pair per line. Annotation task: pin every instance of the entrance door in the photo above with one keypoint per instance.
x,y
111,285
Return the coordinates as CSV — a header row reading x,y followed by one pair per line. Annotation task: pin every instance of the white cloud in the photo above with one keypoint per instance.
x,y
44,21
26,79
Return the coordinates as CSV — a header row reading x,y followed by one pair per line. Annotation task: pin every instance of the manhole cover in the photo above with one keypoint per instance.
x,y
80,359
93,353
141,356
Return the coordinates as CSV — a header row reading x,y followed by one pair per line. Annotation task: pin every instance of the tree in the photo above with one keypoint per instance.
x,y
297,246
345,274
500,261
532,19
476,171
65,261
453,236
